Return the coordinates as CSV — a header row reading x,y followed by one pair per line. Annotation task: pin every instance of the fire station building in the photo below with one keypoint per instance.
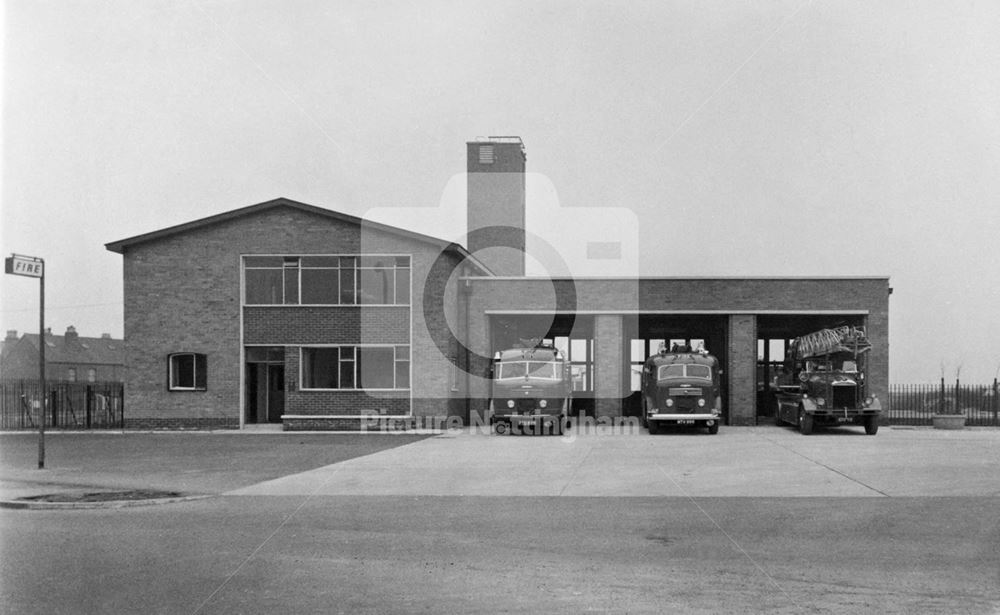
x,y
283,312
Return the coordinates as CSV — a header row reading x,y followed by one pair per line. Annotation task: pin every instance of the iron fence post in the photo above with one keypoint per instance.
x,y
958,392
996,405
88,402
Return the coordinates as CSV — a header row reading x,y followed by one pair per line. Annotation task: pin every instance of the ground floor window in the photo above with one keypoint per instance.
x,y
356,367
187,371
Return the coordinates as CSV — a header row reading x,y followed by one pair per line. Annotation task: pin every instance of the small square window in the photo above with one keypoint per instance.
x,y
187,372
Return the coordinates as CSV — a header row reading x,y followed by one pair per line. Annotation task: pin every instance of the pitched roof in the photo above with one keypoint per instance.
x,y
84,350
120,245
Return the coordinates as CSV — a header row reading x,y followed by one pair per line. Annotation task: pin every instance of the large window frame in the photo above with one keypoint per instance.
x,y
348,367
187,371
308,280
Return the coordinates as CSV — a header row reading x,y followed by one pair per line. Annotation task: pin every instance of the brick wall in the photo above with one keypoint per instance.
x,y
182,294
496,201
609,357
326,325
742,369
181,423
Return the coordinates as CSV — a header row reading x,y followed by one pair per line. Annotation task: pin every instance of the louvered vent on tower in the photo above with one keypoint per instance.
x,y
485,154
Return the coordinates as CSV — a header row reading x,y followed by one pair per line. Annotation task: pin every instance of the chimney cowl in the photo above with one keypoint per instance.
x,y
11,334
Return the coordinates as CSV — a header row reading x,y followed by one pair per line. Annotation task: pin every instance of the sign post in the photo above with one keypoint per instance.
x,y
33,267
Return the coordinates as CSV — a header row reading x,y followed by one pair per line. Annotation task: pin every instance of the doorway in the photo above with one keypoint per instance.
x,y
650,332
775,333
265,385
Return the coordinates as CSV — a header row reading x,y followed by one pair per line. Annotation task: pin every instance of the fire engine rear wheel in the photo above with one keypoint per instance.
x,y
805,422
871,425
501,428
653,427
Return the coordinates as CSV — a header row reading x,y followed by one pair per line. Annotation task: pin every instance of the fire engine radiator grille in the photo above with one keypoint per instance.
x,y
684,391
845,396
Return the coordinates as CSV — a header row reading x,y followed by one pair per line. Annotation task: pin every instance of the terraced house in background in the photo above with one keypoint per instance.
x,y
68,358
284,312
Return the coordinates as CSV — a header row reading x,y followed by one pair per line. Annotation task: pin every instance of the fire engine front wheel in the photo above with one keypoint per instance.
x,y
871,425
805,422
714,428
501,429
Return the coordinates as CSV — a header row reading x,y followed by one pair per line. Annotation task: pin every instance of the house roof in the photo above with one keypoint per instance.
x,y
82,350
121,245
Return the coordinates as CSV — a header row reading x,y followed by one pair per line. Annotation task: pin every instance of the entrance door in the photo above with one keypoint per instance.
x,y
265,385
275,392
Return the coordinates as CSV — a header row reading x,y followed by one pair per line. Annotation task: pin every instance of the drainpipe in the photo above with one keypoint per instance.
x,y
464,293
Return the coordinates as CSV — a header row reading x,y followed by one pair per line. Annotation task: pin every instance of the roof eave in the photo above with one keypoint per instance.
x,y
121,245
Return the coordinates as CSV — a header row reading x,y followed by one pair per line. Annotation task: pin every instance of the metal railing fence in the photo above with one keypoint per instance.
x,y
69,405
916,404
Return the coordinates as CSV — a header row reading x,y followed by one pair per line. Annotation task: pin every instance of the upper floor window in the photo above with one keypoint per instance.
x,y
187,371
71,374
327,280
91,375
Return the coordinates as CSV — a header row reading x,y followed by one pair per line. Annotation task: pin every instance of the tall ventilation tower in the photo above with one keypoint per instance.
x,y
496,201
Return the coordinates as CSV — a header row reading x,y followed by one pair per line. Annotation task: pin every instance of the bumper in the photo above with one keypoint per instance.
x,y
526,419
843,416
707,416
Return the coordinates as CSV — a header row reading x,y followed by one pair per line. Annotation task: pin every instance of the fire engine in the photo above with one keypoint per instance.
x,y
681,387
828,385
531,390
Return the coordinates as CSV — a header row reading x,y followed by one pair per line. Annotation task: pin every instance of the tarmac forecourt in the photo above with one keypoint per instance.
x,y
607,462
193,464
753,519
589,461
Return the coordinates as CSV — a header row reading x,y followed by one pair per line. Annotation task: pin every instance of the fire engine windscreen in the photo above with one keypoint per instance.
x,y
684,371
530,369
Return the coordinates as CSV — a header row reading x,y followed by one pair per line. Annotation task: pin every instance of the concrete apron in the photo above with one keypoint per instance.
x,y
603,462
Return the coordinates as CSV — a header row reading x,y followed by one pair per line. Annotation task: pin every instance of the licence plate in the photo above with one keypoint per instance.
x,y
686,422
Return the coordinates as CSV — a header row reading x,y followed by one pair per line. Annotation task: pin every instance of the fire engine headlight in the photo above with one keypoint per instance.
x,y
510,403
701,402
669,403
543,403
820,401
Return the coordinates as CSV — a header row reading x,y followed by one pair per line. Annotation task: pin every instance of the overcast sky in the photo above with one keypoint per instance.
x,y
741,138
